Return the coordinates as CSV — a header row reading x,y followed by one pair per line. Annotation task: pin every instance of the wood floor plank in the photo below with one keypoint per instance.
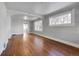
x,y
34,45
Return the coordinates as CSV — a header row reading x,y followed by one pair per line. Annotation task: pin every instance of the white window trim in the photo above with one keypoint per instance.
x,y
71,23
38,25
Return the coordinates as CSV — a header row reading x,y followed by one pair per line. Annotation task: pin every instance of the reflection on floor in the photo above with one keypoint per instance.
x,y
34,45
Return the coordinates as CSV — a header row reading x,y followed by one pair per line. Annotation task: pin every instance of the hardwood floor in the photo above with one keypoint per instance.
x,y
34,45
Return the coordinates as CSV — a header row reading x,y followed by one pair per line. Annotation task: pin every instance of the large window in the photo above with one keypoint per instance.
x,y
38,25
60,19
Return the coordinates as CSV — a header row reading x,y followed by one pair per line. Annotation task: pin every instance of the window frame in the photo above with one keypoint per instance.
x,y
38,25
61,14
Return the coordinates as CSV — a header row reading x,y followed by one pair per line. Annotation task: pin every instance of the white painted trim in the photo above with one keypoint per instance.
x,y
59,40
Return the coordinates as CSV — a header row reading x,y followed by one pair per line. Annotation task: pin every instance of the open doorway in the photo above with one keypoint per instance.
x,y
25,30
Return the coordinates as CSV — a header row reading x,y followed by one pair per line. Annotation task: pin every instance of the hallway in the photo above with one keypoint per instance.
x,y
35,45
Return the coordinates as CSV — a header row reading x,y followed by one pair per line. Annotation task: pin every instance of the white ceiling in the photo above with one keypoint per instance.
x,y
34,9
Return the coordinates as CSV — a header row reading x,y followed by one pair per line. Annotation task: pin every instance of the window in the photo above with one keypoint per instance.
x,y
61,19
38,25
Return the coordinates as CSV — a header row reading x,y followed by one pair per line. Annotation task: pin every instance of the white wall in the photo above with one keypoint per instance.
x,y
4,26
17,25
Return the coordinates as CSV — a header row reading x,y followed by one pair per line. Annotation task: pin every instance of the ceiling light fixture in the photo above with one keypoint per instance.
x,y
25,17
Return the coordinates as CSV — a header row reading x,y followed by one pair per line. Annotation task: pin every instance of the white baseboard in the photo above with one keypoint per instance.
x,y
5,43
59,40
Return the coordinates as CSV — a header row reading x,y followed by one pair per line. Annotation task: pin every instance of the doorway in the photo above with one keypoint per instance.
x,y
25,30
